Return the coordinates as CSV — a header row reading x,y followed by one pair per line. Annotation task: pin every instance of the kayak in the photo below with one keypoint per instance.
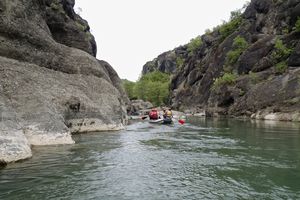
x,y
161,121
167,121
156,121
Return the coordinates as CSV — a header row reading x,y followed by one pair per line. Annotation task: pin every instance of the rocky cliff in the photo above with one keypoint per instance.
x,y
51,84
248,66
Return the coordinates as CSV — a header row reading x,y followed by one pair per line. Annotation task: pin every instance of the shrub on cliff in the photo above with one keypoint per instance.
x,y
226,79
179,61
280,55
239,46
297,25
281,67
228,28
281,52
194,44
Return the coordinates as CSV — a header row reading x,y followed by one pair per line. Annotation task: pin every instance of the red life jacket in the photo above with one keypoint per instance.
x,y
153,114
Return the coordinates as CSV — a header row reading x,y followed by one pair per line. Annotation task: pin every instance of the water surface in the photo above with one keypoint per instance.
x,y
203,159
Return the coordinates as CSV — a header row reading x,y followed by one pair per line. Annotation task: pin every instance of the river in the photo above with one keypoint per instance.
x,y
202,159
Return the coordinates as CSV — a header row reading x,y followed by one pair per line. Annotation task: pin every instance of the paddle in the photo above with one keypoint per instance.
x,y
144,117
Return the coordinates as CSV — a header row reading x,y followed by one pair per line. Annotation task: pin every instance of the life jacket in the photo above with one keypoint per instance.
x,y
153,114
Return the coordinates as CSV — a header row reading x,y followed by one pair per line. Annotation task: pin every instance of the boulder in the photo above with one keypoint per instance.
x,y
137,106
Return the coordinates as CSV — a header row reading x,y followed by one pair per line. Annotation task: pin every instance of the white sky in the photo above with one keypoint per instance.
x,y
131,32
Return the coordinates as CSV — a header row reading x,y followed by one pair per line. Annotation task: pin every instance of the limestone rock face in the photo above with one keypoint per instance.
x,y
165,62
266,73
51,84
67,27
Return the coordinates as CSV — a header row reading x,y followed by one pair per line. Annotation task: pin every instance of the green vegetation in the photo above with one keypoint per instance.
x,y
179,61
226,79
281,67
281,52
80,26
280,55
89,35
194,44
239,46
55,5
253,77
297,25
285,31
278,2
235,14
129,88
208,31
153,87
228,28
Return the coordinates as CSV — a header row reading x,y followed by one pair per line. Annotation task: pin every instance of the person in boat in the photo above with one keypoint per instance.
x,y
153,114
168,113
167,116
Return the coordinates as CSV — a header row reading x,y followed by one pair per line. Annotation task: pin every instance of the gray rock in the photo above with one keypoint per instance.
x,y
139,105
254,54
68,28
294,59
50,82
165,62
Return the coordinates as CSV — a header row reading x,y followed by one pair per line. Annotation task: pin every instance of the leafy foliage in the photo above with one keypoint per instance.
x,y
54,6
240,43
281,67
281,52
235,14
57,6
297,25
194,44
228,28
280,55
179,61
153,87
226,79
80,26
239,46
253,77
208,31
129,88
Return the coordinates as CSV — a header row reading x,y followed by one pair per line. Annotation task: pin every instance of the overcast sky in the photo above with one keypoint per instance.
x,y
131,32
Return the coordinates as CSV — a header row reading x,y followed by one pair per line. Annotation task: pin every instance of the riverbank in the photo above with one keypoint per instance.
x,y
260,115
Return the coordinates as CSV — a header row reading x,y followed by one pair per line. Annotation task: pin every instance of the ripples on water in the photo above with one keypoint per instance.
x,y
203,159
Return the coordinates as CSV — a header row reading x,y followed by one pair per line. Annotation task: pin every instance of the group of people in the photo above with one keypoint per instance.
x,y
154,114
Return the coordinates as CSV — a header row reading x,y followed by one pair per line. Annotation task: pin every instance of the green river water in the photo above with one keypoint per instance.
x,y
203,159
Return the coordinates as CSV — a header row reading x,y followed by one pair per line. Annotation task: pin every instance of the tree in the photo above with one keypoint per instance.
x,y
129,88
153,87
